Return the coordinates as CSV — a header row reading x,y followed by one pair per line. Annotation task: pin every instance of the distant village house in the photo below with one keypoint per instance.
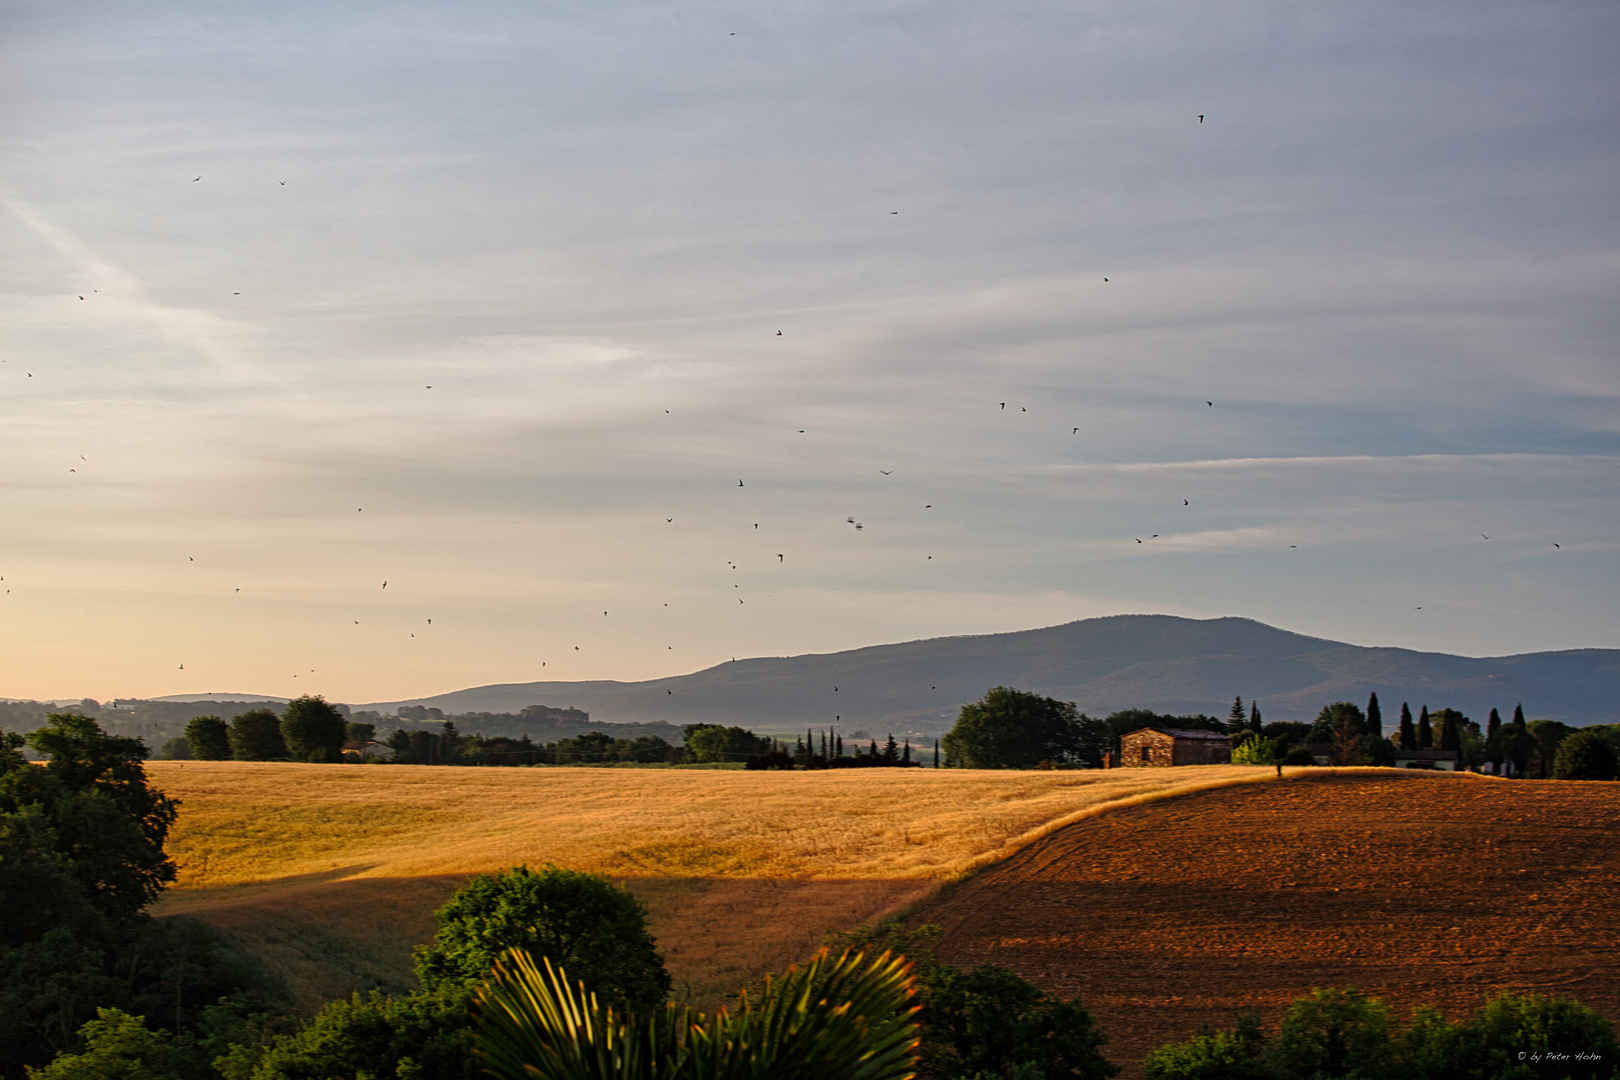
x,y
1161,747
1428,759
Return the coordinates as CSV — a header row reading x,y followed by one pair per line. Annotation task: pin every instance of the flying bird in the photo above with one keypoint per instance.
x,y
1483,536
739,483
669,691
1184,502
385,584
1555,545
1105,279
283,183
1076,431
1003,404
198,178
1211,404
1138,539
669,519
886,472
779,333
779,557
1200,118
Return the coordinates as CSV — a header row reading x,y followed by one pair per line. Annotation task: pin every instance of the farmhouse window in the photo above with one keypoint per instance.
x,y
1147,753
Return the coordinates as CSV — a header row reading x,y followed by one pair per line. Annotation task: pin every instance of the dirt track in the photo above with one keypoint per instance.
x,y
1414,888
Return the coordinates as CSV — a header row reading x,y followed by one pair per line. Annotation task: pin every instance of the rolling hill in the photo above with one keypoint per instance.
x,y
1159,662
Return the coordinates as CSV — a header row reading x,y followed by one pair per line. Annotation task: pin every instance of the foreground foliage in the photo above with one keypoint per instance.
x,y
849,1018
1346,1034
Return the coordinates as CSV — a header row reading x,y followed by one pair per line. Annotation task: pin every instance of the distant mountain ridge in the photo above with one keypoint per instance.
x,y
1160,662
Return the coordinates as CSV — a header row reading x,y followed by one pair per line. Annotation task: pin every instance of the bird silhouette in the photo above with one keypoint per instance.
x,y
1105,279
385,584
1003,404
1555,545
1200,118
1076,431
1184,502
1138,539
283,183
739,483
198,178
780,558
669,691
886,472
1482,535
669,519
1211,404
779,333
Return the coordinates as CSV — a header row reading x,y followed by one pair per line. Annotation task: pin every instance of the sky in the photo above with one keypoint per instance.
x,y
588,327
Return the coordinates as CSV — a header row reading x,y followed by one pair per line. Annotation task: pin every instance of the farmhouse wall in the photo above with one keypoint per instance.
x,y
1154,748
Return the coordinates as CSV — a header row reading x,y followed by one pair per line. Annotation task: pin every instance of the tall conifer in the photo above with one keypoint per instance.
x,y
1408,732
1425,731
1375,717
1235,716
1254,717
1518,714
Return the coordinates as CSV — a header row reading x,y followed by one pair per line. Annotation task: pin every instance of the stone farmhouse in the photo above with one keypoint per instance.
x,y
1152,747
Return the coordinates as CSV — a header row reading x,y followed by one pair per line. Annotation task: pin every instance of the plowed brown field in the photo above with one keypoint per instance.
x,y
1425,888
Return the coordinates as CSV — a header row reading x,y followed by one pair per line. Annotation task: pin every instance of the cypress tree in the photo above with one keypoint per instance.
x,y
1518,714
1375,717
905,754
1235,716
1493,741
1450,730
1254,717
838,745
936,752
1425,731
1408,732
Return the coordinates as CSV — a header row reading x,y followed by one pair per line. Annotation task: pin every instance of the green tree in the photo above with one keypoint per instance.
x,y
709,743
1493,741
256,736
117,1046
106,817
1584,755
1408,736
1337,1033
1240,1054
175,750
1497,1040
1449,725
990,1022
313,730
1254,717
209,738
1343,725
1237,719
1012,729
578,920
1425,731
1548,734
421,1036
1375,717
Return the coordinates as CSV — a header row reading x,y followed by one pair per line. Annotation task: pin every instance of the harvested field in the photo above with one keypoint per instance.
x,y
1416,888
331,873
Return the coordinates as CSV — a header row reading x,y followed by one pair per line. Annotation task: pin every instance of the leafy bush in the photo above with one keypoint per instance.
x,y
1345,1035
577,920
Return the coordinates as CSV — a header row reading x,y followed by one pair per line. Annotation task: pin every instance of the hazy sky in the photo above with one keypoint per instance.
x,y
643,251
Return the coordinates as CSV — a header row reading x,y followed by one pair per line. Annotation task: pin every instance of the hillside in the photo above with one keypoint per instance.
x,y
1419,889
1160,662
331,873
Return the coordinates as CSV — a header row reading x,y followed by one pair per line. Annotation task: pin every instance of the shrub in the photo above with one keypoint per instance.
x,y
577,920
990,1022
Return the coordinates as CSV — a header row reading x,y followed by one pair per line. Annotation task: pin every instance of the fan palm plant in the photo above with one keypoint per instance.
x,y
844,1018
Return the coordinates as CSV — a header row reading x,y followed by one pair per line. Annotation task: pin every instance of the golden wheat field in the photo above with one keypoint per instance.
x,y
330,873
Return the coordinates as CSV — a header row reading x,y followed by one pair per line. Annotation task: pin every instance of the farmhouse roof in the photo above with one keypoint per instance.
x,y
1426,755
1183,733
